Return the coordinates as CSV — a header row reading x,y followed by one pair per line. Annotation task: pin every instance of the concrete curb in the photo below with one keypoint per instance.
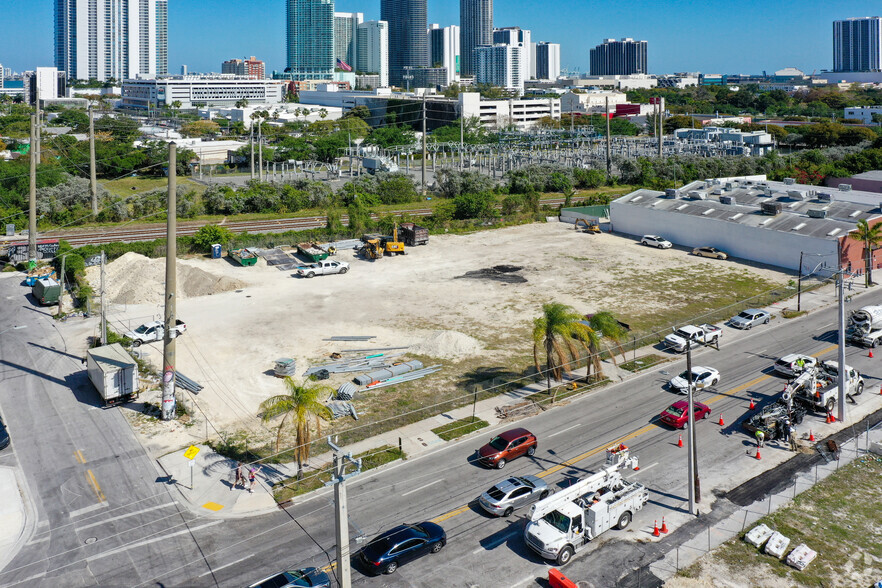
x,y
28,513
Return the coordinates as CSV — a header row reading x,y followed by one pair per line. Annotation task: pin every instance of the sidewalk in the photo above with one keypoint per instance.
x,y
213,473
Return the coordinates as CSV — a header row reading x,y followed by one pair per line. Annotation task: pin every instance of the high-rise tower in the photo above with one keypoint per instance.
x,y
857,44
475,29
408,46
310,39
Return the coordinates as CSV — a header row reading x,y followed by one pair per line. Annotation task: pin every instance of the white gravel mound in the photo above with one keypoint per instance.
x,y
136,279
448,345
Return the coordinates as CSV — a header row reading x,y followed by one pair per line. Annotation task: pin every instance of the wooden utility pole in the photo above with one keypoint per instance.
x,y
608,143
37,148
169,330
32,199
424,146
61,281
93,178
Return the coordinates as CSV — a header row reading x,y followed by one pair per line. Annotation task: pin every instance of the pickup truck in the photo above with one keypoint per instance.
x,y
698,335
149,332
323,268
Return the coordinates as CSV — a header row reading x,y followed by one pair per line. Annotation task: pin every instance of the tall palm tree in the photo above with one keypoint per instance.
x,y
302,403
561,332
872,238
605,324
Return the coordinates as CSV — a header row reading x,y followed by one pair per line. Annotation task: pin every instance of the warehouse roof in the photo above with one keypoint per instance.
x,y
741,201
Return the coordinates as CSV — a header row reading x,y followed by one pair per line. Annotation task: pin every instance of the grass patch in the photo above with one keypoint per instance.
x,y
370,459
789,314
567,391
838,517
460,427
642,363
129,185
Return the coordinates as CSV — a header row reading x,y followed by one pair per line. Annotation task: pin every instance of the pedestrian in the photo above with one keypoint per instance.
x,y
252,479
239,476
794,446
760,436
785,429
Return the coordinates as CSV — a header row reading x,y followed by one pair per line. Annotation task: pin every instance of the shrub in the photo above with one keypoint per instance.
x,y
208,235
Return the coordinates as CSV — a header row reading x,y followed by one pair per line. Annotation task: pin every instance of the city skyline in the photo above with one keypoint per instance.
x,y
248,27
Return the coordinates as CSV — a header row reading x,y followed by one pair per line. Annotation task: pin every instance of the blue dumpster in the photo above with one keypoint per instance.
x,y
216,251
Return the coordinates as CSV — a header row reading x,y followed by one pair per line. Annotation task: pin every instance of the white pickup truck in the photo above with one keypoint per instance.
x,y
323,268
149,332
698,335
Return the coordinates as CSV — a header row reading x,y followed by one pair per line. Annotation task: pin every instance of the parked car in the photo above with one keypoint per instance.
x,y
503,498
153,331
507,446
710,252
702,377
790,364
677,414
4,436
400,545
750,318
656,241
307,577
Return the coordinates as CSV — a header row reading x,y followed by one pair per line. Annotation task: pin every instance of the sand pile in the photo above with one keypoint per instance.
x,y
448,345
135,279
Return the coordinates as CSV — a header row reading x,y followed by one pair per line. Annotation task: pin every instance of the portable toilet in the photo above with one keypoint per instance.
x,y
216,251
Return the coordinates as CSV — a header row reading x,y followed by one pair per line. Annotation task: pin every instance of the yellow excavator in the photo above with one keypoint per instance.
x,y
591,226
373,249
394,246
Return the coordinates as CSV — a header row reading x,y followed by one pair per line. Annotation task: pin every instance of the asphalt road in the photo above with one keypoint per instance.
x,y
104,516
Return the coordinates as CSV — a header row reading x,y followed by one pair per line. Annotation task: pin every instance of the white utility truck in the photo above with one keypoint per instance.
x,y
564,523
865,326
817,388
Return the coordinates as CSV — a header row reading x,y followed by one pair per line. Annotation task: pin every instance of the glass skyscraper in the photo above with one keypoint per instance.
x,y
408,44
857,44
619,58
475,29
310,39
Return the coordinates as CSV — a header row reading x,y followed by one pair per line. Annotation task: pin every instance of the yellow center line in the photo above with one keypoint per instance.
x,y
329,567
90,477
78,455
628,437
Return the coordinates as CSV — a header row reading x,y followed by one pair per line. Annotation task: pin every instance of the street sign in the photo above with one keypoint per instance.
x,y
191,452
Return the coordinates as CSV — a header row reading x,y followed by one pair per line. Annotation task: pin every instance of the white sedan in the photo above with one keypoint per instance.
x,y
656,241
702,377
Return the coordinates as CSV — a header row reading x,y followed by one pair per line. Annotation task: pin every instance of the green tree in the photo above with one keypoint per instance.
x,y
606,324
474,206
208,235
871,236
200,128
302,405
361,111
560,333
391,136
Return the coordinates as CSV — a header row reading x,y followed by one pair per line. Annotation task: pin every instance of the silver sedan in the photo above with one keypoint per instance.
x,y
512,493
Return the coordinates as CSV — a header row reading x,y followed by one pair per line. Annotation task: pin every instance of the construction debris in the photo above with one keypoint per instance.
x,y
340,408
801,556
182,381
416,375
777,544
347,391
354,364
285,366
525,408
758,535
387,373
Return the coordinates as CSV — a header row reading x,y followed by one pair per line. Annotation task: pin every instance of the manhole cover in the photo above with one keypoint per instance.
x,y
91,540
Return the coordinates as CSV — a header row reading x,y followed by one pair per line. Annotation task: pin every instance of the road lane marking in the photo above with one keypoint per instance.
x,y
219,568
40,540
423,487
78,455
131,514
628,437
93,482
564,431
329,567
84,510
652,465
149,541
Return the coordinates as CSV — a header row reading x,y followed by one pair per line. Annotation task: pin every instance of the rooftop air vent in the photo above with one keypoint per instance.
x,y
789,181
727,200
825,197
845,187
796,194
671,193
817,213
697,195
730,186
772,208
717,191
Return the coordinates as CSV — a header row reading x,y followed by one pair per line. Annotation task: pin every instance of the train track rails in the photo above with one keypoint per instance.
x,y
78,238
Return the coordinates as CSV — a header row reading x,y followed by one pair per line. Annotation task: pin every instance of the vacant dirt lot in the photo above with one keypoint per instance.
x,y
445,299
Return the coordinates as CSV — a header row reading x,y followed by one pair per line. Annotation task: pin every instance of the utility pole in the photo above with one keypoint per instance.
x,y
37,149
93,179
660,128
171,251
259,150
341,520
608,143
841,355
103,306
251,142
461,137
32,200
799,286
692,468
424,146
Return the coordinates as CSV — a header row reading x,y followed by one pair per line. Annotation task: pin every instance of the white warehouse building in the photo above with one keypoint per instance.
x,y
199,91
758,220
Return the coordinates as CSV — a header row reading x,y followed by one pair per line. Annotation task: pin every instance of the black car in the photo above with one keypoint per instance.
x,y
400,545
4,436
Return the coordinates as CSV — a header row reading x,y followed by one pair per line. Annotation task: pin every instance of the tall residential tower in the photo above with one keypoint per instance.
x,y
475,29
619,58
116,39
408,45
857,44
310,39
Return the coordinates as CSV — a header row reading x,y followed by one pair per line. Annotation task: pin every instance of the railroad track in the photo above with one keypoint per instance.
x,y
78,238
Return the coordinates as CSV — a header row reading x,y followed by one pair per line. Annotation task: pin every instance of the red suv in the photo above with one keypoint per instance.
x,y
507,446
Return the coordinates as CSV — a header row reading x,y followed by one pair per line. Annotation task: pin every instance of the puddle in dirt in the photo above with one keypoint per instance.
x,y
499,273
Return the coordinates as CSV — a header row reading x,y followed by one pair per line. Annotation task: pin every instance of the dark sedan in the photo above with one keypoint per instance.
x,y
400,545
306,578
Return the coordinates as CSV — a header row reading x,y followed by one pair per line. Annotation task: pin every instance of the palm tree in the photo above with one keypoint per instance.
x,y
242,103
302,404
872,237
561,331
605,324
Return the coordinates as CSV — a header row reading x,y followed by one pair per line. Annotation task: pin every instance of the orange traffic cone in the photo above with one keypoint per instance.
x,y
679,444
811,435
722,424
752,405
655,532
871,353
880,389
832,418
827,420
758,456
664,528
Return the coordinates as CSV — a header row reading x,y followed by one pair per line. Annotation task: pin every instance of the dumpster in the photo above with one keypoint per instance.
x,y
243,256
216,251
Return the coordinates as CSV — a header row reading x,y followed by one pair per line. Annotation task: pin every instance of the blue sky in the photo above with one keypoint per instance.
x,y
711,36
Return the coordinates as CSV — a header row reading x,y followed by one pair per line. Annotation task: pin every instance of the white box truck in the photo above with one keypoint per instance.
x,y
113,372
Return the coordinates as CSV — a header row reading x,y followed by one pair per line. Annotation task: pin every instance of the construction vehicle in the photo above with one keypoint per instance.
x,y
865,326
591,225
414,234
564,523
372,248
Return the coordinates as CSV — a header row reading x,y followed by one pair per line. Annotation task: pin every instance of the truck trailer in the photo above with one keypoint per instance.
x,y
113,372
